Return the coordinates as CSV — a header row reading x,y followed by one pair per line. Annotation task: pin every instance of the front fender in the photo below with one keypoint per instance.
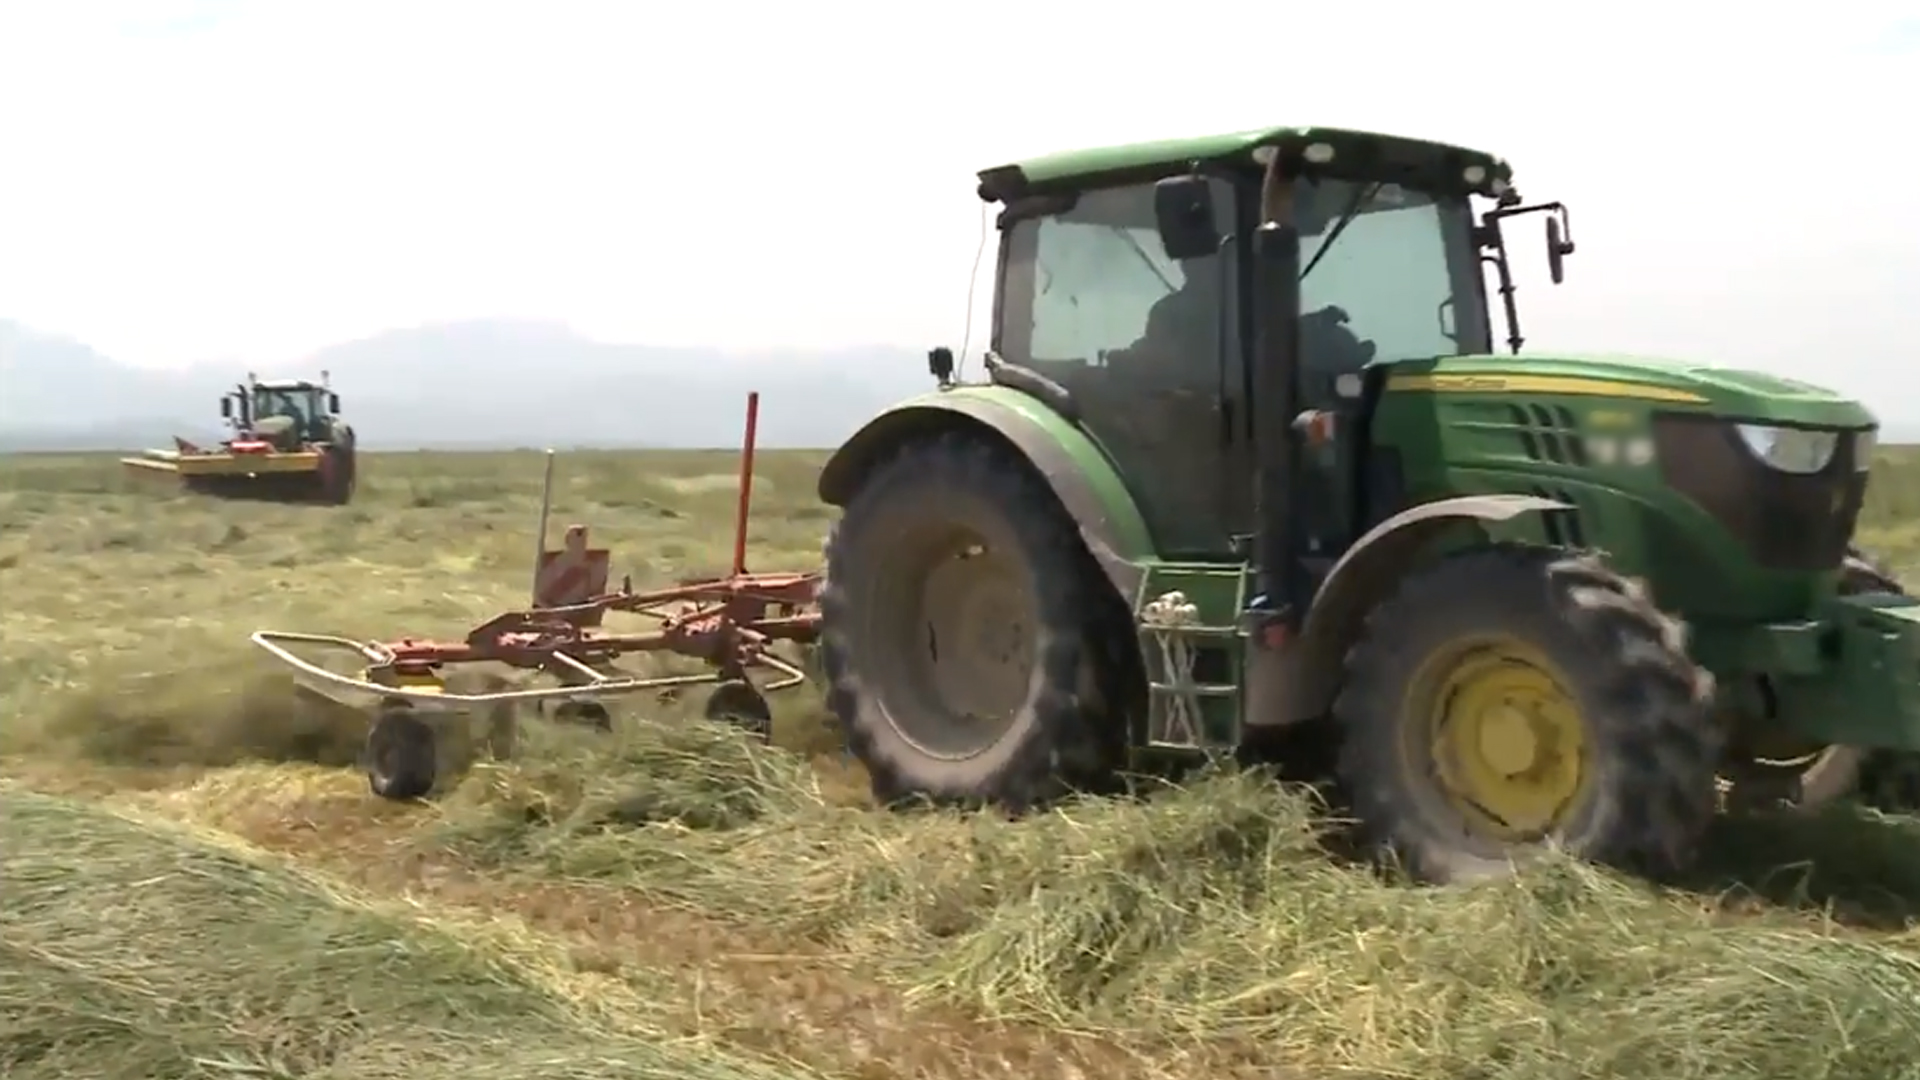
x,y
1073,465
1366,574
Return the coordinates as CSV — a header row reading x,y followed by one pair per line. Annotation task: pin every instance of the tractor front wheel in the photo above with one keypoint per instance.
x,y
1510,697
954,616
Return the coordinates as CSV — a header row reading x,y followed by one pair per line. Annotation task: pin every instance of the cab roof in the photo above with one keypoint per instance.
x,y
1416,162
286,384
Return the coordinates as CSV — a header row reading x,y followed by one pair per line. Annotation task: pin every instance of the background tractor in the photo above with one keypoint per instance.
x,y
1247,474
289,443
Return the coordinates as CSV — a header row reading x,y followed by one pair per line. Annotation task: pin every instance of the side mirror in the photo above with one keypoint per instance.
x,y
1183,212
226,408
1559,246
333,403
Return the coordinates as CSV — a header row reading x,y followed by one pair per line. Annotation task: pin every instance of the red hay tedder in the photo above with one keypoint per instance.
x,y
730,623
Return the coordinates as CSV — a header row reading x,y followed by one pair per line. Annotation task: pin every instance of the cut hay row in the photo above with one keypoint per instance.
x,y
130,948
1215,912
1213,915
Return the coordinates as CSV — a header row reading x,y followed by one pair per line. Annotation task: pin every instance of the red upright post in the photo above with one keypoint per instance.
x,y
746,484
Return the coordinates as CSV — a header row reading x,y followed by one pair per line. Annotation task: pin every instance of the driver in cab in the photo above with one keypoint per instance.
x,y
278,420
1179,346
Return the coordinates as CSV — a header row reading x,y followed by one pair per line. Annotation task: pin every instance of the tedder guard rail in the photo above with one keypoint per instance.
x,y
727,622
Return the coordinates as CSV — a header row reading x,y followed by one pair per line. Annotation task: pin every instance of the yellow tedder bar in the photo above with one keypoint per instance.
x,y
218,464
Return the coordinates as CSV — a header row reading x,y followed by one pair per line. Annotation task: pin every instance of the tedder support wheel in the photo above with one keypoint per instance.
x,y
1510,696
954,624
737,702
585,713
400,753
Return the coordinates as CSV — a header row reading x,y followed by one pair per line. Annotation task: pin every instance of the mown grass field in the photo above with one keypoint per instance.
x,y
194,881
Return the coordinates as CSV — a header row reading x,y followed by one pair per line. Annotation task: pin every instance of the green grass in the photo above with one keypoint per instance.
x,y
129,601
194,882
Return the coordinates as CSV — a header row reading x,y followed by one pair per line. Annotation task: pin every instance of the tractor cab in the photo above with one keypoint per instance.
x,y
285,414
1223,331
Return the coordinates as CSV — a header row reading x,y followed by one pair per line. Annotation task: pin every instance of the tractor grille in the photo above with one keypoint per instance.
x,y
1548,433
1785,521
1563,528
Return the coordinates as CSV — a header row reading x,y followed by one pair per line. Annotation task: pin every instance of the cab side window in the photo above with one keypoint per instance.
x,y
1090,299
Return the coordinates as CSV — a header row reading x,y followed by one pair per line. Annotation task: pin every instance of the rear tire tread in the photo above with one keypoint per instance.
x,y
1063,747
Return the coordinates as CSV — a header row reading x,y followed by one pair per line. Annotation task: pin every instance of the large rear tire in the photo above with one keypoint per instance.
x,y
1511,697
336,478
954,614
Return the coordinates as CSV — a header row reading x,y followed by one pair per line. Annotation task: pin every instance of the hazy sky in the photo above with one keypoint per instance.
x,y
204,179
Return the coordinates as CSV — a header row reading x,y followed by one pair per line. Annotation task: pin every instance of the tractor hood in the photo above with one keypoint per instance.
x,y
1670,384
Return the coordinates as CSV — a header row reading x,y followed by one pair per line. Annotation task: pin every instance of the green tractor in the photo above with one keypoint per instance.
x,y
1246,475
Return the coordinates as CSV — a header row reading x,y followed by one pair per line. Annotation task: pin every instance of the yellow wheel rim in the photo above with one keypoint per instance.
x,y
1504,738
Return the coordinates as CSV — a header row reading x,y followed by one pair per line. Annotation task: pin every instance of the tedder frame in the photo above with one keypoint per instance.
x,y
730,623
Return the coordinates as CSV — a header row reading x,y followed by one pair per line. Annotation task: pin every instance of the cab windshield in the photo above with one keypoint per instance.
x,y
301,406
1403,267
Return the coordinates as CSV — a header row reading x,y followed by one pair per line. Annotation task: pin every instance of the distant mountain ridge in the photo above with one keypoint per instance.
x,y
472,385
483,384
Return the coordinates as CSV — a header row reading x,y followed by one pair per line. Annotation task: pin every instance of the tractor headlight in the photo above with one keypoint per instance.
x,y
1864,443
1793,450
